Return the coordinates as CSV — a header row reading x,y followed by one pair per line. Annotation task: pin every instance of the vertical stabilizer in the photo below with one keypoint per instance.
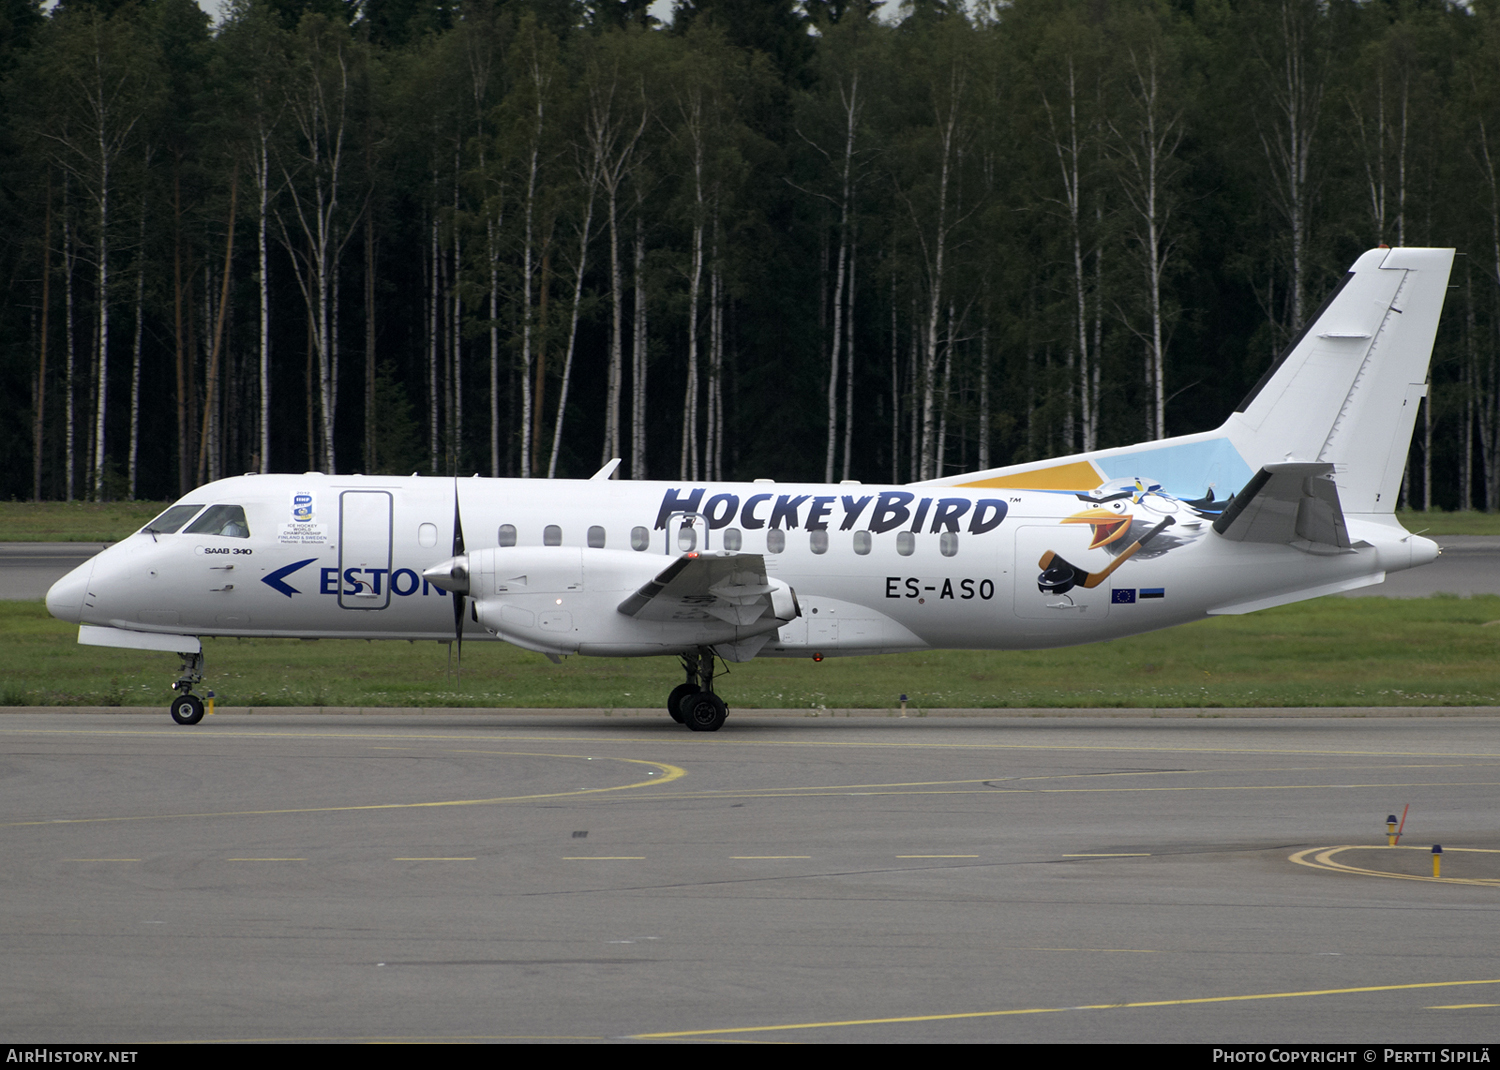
x,y
1346,391
1343,394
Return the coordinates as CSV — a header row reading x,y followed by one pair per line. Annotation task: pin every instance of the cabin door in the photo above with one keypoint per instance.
x,y
365,549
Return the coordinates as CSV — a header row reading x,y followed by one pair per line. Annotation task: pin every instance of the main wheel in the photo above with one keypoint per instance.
x,y
187,709
704,712
674,700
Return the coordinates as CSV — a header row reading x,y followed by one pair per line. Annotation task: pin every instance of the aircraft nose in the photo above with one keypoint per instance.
x,y
65,598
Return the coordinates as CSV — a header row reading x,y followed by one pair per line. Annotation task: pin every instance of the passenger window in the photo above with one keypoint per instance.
x,y
552,535
733,540
861,542
426,534
687,538
640,539
227,520
906,542
507,534
171,520
948,543
775,541
818,540
596,537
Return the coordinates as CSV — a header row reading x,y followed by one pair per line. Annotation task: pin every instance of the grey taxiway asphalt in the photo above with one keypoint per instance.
x,y
27,569
504,877
1469,565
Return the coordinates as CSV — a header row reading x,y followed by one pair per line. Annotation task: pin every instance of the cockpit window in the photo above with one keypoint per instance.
x,y
226,520
171,520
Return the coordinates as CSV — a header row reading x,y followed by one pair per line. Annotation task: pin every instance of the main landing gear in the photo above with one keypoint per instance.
x,y
187,708
694,703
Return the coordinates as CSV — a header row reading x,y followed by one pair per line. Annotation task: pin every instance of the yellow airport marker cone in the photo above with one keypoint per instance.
x,y
1390,830
210,703
1437,859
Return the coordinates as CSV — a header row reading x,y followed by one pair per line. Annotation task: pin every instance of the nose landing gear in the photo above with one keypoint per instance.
x,y
694,703
187,708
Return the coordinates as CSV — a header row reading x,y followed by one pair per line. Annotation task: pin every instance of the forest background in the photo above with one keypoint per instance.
x,y
815,240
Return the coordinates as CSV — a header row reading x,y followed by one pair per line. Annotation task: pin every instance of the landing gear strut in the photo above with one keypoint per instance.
x,y
187,708
694,702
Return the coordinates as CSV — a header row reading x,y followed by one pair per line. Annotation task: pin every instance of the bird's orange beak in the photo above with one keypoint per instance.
x,y
1108,525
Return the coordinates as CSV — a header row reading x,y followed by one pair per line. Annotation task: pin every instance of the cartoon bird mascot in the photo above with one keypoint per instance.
x,y
1130,518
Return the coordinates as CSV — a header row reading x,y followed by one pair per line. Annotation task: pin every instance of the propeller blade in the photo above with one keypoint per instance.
x,y
460,601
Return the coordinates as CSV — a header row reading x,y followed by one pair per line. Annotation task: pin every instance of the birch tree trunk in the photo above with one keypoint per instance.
x,y
432,340
213,360
68,257
693,109
852,105
135,356
1293,59
947,100
612,133
1147,143
537,82
585,231
318,102
102,297
262,182
1067,145
40,396
638,355
455,330
849,369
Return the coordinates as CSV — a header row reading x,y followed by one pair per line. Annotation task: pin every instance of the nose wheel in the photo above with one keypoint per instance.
x,y
694,703
187,708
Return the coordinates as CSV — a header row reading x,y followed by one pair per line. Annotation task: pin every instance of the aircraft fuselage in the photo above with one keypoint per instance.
x,y
875,568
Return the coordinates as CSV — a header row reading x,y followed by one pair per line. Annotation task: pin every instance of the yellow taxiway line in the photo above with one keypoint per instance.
x,y
907,1019
221,732
1322,858
670,773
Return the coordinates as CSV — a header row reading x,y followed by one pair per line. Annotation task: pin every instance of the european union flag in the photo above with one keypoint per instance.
x,y
1123,596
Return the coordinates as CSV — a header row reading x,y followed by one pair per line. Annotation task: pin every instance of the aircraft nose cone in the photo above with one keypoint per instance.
x,y
65,598
452,575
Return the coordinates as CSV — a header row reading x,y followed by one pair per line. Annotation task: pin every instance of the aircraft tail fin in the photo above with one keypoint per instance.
x,y
1347,389
1344,393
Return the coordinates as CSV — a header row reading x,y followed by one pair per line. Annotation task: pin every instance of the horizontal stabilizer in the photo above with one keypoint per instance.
x,y
1292,502
1286,598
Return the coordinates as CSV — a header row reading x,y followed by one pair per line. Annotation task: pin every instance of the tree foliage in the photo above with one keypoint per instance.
x,y
836,239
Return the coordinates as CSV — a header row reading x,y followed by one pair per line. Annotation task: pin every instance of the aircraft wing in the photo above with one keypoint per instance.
x,y
1293,502
732,588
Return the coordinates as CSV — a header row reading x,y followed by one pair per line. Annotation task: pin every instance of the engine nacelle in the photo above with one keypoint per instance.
x,y
571,599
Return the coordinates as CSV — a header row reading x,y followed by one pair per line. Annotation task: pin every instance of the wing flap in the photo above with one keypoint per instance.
x,y
732,588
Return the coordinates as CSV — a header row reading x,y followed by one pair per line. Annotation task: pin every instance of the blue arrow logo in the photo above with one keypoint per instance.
x,y
277,580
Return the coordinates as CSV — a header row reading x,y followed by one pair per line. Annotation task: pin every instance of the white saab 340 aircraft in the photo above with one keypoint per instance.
x,y
1291,498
